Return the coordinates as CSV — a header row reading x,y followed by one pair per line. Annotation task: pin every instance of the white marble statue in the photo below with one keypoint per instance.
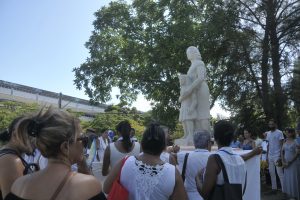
x,y
194,97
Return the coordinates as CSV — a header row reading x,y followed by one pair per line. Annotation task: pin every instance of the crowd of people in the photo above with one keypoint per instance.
x,y
280,153
148,169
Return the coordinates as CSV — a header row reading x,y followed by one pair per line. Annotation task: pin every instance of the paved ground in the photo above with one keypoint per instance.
x,y
266,194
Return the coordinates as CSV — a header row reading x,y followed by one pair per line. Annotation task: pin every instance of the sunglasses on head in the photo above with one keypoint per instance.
x,y
84,140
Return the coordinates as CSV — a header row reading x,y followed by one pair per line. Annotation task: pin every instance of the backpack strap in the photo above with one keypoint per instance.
x,y
184,166
221,164
225,175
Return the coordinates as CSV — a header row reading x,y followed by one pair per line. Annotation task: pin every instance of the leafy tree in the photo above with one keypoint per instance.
x,y
296,86
109,121
276,26
140,47
9,110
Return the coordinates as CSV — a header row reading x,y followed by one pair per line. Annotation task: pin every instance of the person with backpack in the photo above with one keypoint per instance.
x,y
223,168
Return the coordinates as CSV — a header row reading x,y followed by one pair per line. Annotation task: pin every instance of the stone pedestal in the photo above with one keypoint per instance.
x,y
185,141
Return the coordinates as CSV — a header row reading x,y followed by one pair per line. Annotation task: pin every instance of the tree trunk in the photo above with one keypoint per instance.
x,y
267,106
280,112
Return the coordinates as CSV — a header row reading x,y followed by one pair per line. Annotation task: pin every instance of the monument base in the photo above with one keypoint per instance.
x,y
187,141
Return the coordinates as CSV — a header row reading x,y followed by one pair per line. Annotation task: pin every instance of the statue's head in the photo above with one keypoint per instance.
x,y
193,53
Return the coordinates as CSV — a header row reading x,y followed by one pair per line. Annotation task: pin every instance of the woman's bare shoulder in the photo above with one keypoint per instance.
x,y
11,165
85,185
20,184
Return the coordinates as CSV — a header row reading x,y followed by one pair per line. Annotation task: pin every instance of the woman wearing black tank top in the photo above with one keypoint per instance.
x,y
12,165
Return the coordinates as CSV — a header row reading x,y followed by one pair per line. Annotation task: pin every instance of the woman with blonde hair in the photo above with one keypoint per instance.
x,y
58,137
12,165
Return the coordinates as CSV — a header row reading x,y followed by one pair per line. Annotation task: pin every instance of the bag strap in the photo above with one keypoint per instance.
x,y
245,185
226,180
221,164
11,151
61,185
123,162
184,166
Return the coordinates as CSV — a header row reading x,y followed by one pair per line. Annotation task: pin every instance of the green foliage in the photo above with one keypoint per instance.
x,y
9,110
115,114
178,132
75,113
295,86
140,47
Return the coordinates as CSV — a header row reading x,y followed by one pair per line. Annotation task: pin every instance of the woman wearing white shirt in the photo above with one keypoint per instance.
x,y
146,176
234,164
119,149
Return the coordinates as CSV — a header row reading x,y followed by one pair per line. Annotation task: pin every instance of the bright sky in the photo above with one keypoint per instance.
x,y
42,41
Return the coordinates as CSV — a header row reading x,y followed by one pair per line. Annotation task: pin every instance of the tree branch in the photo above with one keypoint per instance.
x,y
289,29
283,49
193,2
250,20
286,7
286,17
252,12
256,2
278,5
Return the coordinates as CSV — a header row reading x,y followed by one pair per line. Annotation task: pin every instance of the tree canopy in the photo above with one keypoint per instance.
x,y
249,46
9,110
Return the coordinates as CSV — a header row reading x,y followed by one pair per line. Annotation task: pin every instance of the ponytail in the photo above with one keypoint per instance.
x,y
124,128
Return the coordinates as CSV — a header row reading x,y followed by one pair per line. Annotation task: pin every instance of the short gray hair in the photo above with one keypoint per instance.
x,y
201,139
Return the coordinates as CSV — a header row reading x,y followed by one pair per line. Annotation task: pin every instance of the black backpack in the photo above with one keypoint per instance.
x,y
228,191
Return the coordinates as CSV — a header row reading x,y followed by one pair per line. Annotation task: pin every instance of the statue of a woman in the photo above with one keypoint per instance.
x,y
194,115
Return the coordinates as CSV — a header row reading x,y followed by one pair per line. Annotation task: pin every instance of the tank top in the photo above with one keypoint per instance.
x,y
116,155
145,182
247,146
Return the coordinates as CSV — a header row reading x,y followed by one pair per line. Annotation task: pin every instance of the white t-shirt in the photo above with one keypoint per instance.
x,y
196,161
274,138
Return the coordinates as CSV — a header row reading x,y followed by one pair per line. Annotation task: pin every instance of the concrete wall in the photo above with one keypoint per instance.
x,y
27,97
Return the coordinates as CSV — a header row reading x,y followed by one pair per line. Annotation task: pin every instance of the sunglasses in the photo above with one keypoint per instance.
x,y
84,140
